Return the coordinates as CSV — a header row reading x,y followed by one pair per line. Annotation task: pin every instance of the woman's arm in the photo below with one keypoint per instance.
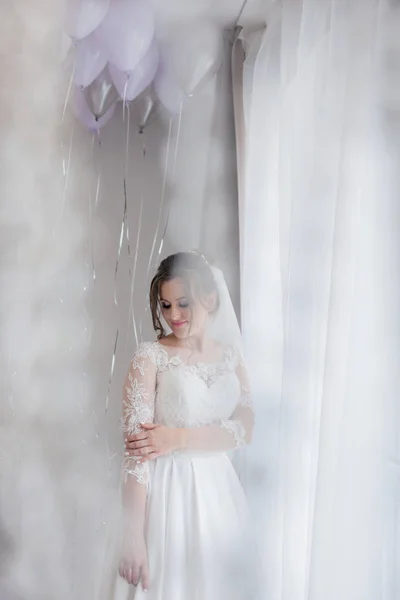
x,y
138,407
158,440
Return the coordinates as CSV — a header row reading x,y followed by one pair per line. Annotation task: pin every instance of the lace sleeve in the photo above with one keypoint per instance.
x,y
241,423
138,405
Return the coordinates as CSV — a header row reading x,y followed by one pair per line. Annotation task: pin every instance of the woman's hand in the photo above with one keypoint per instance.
x,y
154,441
133,566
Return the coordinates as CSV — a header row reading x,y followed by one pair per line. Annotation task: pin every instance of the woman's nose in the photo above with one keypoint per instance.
x,y
175,313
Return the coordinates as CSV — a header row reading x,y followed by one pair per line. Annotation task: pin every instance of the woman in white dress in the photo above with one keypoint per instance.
x,y
186,405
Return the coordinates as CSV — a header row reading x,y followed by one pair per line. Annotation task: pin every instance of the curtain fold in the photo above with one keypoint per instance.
x,y
316,295
237,62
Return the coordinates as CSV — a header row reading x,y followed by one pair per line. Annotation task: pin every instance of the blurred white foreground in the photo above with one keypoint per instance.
x,y
317,122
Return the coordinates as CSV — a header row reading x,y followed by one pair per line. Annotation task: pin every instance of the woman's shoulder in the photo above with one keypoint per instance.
x,y
149,351
143,346
234,355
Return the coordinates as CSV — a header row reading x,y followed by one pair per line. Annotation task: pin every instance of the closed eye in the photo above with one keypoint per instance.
x,y
182,303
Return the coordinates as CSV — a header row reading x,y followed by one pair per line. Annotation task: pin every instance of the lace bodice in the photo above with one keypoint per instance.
x,y
162,388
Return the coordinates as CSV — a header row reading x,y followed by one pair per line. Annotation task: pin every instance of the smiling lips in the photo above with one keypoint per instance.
x,y
178,324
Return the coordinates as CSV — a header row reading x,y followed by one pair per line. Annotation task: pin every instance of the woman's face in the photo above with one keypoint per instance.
x,y
183,316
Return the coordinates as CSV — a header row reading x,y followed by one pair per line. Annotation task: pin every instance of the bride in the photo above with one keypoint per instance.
x,y
186,405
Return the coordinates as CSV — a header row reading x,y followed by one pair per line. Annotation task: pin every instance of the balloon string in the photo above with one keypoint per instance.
x,y
125,184
125,214
93,208
134,271
97,189
98,170
138,235
66,171
124,226
111,371
124,103
161,202
241,11
66,165
121,241
128,110
128,242
68,94
178,134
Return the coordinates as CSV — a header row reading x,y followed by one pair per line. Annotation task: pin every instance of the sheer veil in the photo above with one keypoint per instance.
x,y
225,328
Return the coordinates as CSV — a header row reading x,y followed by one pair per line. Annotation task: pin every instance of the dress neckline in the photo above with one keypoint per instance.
x,y
209,372
177,360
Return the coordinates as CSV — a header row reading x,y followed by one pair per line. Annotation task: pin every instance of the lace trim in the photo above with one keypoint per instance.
x,y
246,401
138,408
237,429
150,351
207,372
139,471
139,403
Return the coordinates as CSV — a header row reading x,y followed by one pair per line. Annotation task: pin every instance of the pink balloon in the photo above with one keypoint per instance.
x,y
169,91
86,117
127,32
132,83
90,61
84,16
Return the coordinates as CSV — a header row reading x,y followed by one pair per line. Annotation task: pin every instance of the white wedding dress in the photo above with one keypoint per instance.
x,y
196,513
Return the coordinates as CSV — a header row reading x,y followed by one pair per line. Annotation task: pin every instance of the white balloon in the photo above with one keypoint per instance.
x,y
132,83
101,94
90,61
168,90
195,54
84,16
145,108
85,115
127,32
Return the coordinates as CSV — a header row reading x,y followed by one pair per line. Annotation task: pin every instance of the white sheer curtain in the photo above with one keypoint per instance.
x,y
317,290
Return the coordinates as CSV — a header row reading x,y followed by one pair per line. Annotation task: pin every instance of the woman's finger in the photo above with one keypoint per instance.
x,y
137,437
145,576
133,445
151,456
150,425
124,571
135,575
